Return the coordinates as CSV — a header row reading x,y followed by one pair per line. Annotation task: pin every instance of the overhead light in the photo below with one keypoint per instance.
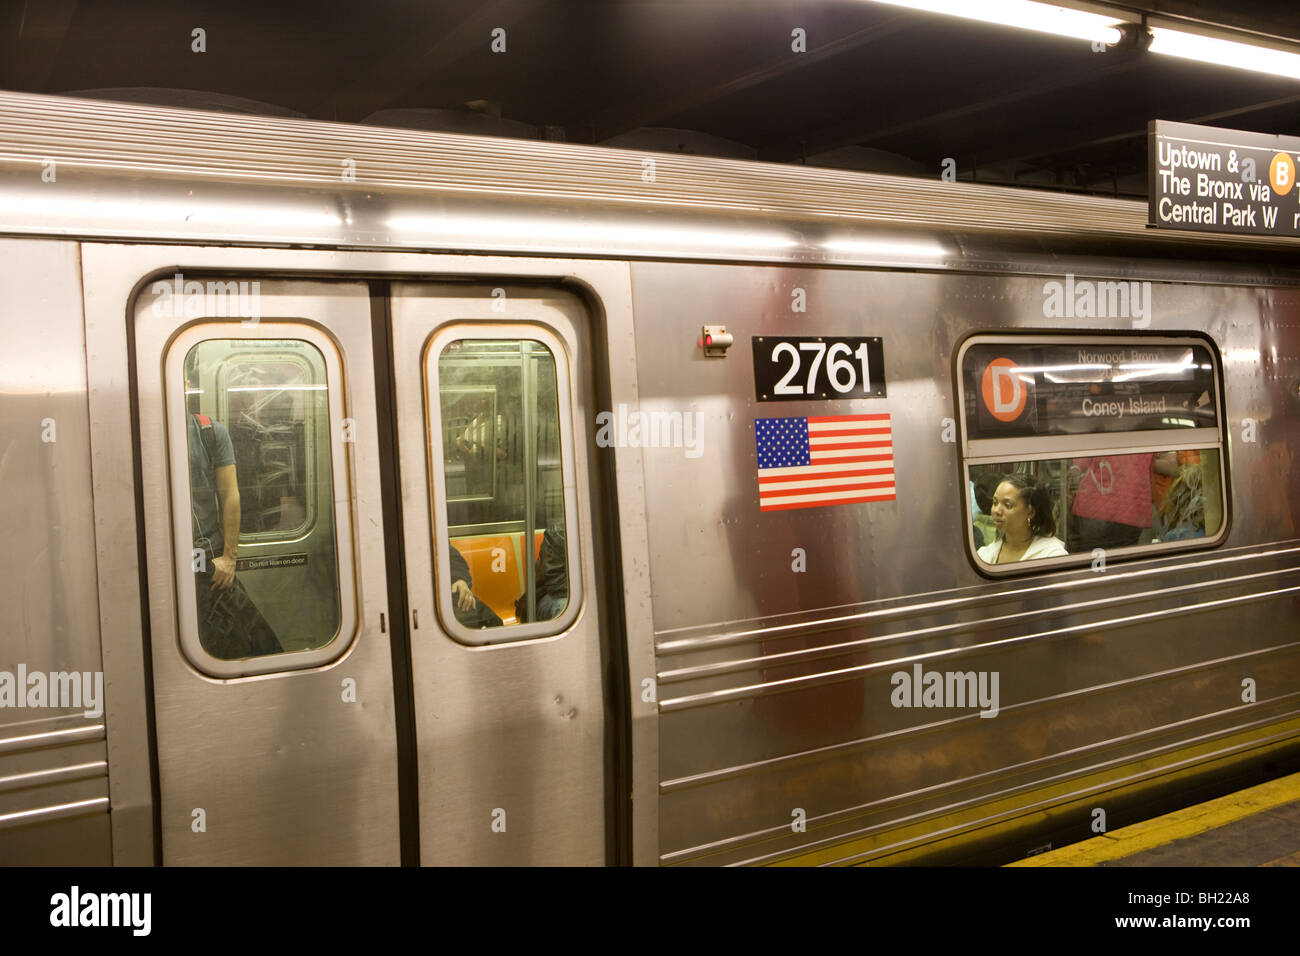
x,y
1243,56
1026,15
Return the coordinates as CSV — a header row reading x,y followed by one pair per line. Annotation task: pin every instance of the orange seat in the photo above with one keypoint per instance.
x,y
497,587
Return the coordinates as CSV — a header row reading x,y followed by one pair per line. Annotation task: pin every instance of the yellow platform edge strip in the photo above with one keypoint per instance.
x,y
1178,825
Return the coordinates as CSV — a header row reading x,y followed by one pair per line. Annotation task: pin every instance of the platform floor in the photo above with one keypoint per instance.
x,y
1259,826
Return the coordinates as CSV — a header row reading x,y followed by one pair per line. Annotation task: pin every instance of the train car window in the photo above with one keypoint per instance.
x,y
1026,510
508,553
260,466
1075,446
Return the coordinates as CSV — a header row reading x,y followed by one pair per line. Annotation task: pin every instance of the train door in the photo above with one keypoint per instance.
x,y
273,687
493,392
279,674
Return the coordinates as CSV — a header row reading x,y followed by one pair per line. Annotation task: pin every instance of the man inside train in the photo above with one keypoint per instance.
x,y
469,610
230,624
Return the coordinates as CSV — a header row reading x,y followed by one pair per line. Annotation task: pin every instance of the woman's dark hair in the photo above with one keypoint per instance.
x,y
1036,497
986,485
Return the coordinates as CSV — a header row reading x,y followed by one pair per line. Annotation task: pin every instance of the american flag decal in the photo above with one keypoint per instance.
x,y
823,460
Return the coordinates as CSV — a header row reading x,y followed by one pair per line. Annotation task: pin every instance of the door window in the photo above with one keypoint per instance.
x,y
499,455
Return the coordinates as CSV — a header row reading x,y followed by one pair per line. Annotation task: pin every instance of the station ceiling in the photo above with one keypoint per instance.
x,y
878,87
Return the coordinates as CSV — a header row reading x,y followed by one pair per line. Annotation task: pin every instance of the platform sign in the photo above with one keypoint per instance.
x,y
1207,179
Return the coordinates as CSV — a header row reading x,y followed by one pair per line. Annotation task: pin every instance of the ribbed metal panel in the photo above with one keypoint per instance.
x,y
52,768
221,146
1112,673
792,213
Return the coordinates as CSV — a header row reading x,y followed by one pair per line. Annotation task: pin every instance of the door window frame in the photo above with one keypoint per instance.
x,y
440,535
175,414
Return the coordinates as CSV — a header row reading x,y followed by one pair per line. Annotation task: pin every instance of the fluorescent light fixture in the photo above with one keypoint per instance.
x,y
1105,28
1243,56
1026,15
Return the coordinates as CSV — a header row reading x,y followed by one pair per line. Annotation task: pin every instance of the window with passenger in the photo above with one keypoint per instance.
x,y
1076,443
257,436
507,553
1054,507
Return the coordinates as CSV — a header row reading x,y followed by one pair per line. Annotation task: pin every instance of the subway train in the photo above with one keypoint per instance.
x,y
384,497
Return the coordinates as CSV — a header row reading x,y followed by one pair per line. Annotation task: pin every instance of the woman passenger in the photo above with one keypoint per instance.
x,y
1026,528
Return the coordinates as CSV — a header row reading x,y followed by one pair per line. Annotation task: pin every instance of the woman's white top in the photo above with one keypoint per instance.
x,y
1040,547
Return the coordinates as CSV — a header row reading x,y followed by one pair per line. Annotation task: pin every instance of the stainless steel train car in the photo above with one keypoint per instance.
x,y
591,506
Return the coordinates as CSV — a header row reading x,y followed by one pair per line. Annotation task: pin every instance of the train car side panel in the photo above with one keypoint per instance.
x,y
53,753
777,675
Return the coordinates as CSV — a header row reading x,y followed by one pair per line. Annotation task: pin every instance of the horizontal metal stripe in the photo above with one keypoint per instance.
x,y
805,654
812,680
741,840
848,812
697,637
806,215
41,778
51,738
61,811
39,720
159,139
709,777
